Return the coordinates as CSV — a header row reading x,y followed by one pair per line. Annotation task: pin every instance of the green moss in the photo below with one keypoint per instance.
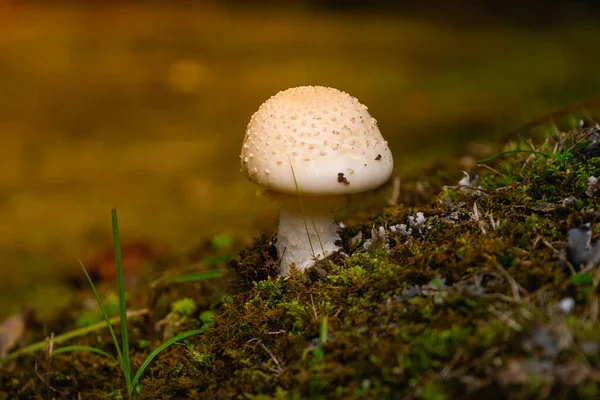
x,y
297,313
184,307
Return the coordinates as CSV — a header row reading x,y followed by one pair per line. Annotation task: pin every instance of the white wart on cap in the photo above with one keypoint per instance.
x,y
328,136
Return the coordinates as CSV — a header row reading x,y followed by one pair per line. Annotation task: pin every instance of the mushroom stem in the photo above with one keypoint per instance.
x,y
305,231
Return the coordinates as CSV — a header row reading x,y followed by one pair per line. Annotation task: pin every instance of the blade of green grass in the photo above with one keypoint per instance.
x,y
160,348
311,220
580,145
312,250
319,353
67,349
218,259
104,313
126,363
323,331
510,152
528,144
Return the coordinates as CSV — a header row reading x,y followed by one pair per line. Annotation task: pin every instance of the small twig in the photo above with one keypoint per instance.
x,y
51,344
547,244
527,160
588,267
533,154
44,380
570,267
475,217
48,367
557,253
500,296
589,133
446,370
46,376
514,285
491,169
458,187
505,318
492,221
536,152
312,302
500,189
279,368
482,189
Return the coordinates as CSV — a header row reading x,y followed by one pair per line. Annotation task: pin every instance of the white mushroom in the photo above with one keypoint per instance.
x,y
320,143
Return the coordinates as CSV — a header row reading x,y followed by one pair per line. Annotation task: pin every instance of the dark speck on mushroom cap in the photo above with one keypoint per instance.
x,y
321,132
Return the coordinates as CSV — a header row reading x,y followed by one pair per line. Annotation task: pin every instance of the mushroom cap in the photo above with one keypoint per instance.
x,y
326,135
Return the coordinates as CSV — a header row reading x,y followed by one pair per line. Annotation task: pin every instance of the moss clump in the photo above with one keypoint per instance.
x,y
466,300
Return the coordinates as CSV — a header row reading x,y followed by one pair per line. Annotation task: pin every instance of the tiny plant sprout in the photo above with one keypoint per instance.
x,y
309,147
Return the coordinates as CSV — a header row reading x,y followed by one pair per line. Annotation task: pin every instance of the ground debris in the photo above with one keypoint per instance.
x,y
544,207
580,251
378,239
592,148
12,330
541,343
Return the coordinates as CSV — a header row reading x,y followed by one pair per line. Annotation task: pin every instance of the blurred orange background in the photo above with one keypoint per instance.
x,y
143,106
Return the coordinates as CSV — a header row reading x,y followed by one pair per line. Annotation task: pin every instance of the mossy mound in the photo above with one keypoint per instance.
x,y
471,295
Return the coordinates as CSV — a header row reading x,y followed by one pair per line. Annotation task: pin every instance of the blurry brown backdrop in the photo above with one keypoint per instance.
x,y
143,106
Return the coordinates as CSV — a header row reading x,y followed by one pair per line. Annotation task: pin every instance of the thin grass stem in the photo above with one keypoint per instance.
x,y
323,331
68,349
312,220
160,348
312,250
510,152
126,362
104,313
